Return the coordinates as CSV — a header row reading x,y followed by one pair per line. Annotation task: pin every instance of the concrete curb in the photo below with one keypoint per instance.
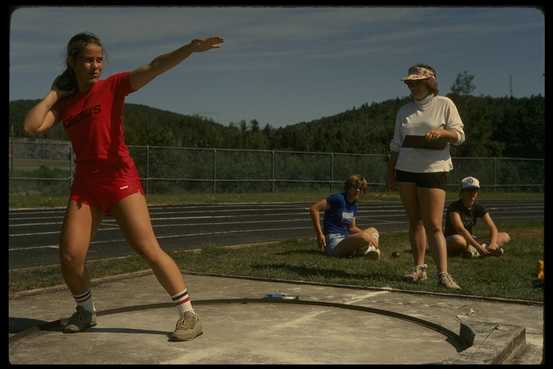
x,y
117,277
93,282
490,343
389,289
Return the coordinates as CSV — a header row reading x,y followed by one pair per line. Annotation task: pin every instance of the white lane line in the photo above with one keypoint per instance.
x,y
34,224
176,236
36,247
364,297
156,217
102,229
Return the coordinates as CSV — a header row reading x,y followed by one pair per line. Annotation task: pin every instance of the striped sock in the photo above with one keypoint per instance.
x,y
85,300
182,301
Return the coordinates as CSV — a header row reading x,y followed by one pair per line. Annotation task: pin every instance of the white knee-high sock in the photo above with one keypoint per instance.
x,y
85,300
182,301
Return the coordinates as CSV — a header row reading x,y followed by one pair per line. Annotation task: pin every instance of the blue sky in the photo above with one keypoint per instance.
x,y
284,65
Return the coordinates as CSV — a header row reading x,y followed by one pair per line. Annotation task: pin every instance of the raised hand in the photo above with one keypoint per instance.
x,y
204,44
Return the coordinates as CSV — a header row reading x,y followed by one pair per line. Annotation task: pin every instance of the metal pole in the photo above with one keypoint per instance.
x,y
214,171
331,170
12,152
147,170
70,164
495,174
273,170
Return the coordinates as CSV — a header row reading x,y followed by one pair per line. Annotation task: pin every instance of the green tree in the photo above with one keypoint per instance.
x,y
463,84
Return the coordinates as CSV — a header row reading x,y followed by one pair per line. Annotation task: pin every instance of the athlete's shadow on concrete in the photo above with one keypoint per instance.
x,y
17,325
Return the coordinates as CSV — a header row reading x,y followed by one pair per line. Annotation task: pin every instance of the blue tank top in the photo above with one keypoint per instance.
x,y
340,214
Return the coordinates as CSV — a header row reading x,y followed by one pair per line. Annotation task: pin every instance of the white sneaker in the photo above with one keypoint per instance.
x,y
418,274
373,253
471,252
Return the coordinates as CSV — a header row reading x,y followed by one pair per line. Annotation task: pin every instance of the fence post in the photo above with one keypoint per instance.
x,y
495,174
147,170
214,171
12,152
331,170
70,164
273,170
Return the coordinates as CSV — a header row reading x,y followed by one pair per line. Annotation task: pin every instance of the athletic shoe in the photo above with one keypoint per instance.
x,y
497,252
80,320
373,253
188,327
471,252
446,280
418,274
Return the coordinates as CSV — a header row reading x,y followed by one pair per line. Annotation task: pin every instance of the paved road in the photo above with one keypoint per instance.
x,y
34,233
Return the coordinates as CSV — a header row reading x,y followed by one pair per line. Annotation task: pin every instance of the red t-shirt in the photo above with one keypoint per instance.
x,y
93,120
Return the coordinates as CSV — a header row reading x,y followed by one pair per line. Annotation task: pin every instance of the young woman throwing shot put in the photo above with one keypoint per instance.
x,y
106,180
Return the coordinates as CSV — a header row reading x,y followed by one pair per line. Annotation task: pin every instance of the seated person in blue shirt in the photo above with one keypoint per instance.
x,y
461,217
341,236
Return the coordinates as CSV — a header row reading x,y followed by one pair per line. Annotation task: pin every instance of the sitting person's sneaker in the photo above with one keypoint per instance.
x,y
80,320
471,252
188,327
418,274
496,252
446,280
373,253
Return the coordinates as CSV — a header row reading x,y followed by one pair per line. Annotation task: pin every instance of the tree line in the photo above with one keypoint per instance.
x,y
494,126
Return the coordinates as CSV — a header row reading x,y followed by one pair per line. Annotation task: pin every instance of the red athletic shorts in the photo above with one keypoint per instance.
x,y
102,184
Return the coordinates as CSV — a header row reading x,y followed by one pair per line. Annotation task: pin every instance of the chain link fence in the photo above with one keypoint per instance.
x,y
46,167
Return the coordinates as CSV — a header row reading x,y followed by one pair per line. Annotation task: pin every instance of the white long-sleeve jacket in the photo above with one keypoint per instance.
x,y
417,118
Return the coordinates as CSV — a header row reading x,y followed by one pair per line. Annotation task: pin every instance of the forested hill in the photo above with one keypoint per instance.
x,y
506,126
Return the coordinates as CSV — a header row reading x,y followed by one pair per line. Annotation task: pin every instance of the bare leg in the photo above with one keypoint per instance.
x,y
431,202
133,217
456,244
353,244
78,229
417,233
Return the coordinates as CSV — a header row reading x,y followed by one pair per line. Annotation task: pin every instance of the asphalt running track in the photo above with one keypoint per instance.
x,y
34,233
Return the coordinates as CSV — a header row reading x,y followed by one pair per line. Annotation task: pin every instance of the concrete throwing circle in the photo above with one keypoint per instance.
x,y
240,332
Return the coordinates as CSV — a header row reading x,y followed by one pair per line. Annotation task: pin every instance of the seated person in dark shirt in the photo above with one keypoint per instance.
x,y
340,236
461,216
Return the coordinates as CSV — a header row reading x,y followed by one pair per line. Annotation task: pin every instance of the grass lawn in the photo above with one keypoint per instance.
x,y
509,276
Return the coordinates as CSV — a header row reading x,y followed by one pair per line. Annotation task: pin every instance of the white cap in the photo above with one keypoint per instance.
x,y
469,183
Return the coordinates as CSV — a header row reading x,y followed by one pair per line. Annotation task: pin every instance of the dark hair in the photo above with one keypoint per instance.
x,y
68,80
431,83
356,181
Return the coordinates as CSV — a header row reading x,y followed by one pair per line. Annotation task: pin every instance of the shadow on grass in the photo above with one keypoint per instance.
x,y
309,253
304,271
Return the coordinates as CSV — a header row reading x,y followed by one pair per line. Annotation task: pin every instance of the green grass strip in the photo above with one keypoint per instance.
x,y
510,276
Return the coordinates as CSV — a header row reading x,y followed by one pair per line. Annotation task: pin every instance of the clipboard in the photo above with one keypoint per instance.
x,y
419,142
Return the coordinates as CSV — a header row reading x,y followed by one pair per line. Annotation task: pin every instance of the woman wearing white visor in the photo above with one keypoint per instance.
x,y
419,163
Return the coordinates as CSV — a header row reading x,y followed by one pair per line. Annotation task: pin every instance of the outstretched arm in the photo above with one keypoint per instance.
x,y
144,74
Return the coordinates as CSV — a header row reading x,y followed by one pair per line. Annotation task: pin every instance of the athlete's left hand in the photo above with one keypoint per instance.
x,y
204,44
433,135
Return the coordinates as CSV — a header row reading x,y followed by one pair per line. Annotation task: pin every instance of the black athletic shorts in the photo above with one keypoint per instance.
x,y
425,180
